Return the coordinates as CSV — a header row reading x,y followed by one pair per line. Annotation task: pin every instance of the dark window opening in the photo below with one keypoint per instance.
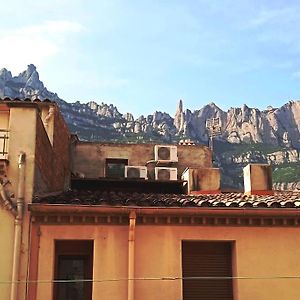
x,y
74,262
115,167
207,259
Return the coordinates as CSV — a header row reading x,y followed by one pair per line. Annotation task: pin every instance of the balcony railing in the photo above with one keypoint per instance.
x,y
4,136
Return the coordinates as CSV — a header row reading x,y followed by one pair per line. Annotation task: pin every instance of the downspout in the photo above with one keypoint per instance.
x,y
131,240
18,227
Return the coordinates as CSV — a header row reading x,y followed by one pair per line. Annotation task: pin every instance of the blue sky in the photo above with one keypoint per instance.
x,y
144,56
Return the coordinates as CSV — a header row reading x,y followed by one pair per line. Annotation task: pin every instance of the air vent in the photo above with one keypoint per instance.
x,y
136,172
164,153
165,173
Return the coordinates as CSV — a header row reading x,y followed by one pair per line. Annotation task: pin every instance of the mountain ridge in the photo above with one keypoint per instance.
x,y
276,126
248,134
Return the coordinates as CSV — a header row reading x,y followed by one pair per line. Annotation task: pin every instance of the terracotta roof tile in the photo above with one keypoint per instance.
x,y
230,200
8,99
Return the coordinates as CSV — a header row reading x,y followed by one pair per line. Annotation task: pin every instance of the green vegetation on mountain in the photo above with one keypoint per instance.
x,y
287,173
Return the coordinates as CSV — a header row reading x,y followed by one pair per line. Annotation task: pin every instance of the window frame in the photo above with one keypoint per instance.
x,y
121,162
211,243
75,249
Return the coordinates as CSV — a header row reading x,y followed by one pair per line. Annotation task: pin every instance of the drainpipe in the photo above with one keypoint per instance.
x,y
18,227
131,239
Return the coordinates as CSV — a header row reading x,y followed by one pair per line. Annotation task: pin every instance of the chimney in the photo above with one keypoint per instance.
x,y
202,180
258,179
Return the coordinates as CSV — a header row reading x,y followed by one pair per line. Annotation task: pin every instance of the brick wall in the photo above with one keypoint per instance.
x,y
43,158
52,162
61,148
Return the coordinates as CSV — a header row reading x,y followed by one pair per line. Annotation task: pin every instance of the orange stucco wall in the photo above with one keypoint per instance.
x,y
22,130
4,118
22,120
6,227
258,252
22,126
6,246
110,258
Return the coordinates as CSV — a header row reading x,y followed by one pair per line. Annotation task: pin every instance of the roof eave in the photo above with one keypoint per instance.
x,y
89,209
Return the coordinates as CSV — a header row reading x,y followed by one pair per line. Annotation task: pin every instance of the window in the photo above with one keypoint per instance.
x,y
73,261
115,167
3,143
207,259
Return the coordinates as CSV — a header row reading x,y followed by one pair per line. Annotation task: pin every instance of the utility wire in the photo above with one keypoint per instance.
x,y
155,279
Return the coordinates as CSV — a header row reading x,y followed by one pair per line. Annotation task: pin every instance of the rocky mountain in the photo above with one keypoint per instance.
x,y
26,84
274,126
274,133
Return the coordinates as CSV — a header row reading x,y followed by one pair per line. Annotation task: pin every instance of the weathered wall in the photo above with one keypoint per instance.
x,y
61,148
258,252
6,246
47,115
52,159
4,121
89,158
46,166
4,118
202,179
43,159
22,132
257,178
110,258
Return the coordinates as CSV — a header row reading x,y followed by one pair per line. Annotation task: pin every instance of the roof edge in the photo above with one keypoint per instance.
x,y
232,211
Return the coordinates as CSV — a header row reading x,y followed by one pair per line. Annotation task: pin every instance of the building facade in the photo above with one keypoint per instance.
x,y
117,221
34,158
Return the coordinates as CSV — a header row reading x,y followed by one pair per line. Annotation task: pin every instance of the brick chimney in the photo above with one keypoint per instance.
x,y
258,179
202,180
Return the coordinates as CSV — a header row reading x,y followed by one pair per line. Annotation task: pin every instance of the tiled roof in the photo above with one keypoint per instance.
x,y
8,99
230,200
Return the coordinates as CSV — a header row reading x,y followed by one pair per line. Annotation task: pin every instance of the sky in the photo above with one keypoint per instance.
x,y
144,56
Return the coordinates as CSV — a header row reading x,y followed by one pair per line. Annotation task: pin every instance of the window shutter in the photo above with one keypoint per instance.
x,y
207,259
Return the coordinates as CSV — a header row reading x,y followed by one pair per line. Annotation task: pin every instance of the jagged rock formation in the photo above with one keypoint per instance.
x,y
278,127
245,125
275,126
285,162
275,158
26,84
292,186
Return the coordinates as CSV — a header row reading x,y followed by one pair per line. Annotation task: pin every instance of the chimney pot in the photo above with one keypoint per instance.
x,y
202,180
258,179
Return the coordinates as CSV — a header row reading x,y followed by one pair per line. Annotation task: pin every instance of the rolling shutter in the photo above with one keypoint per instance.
x,y
207,259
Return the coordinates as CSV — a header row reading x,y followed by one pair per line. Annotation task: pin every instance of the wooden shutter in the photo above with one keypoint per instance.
x,y
207,259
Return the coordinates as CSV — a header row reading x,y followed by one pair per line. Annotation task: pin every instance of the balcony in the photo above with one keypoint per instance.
x,y
4,136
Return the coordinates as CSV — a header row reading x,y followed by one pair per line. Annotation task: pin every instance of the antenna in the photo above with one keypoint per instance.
x,y
213,127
